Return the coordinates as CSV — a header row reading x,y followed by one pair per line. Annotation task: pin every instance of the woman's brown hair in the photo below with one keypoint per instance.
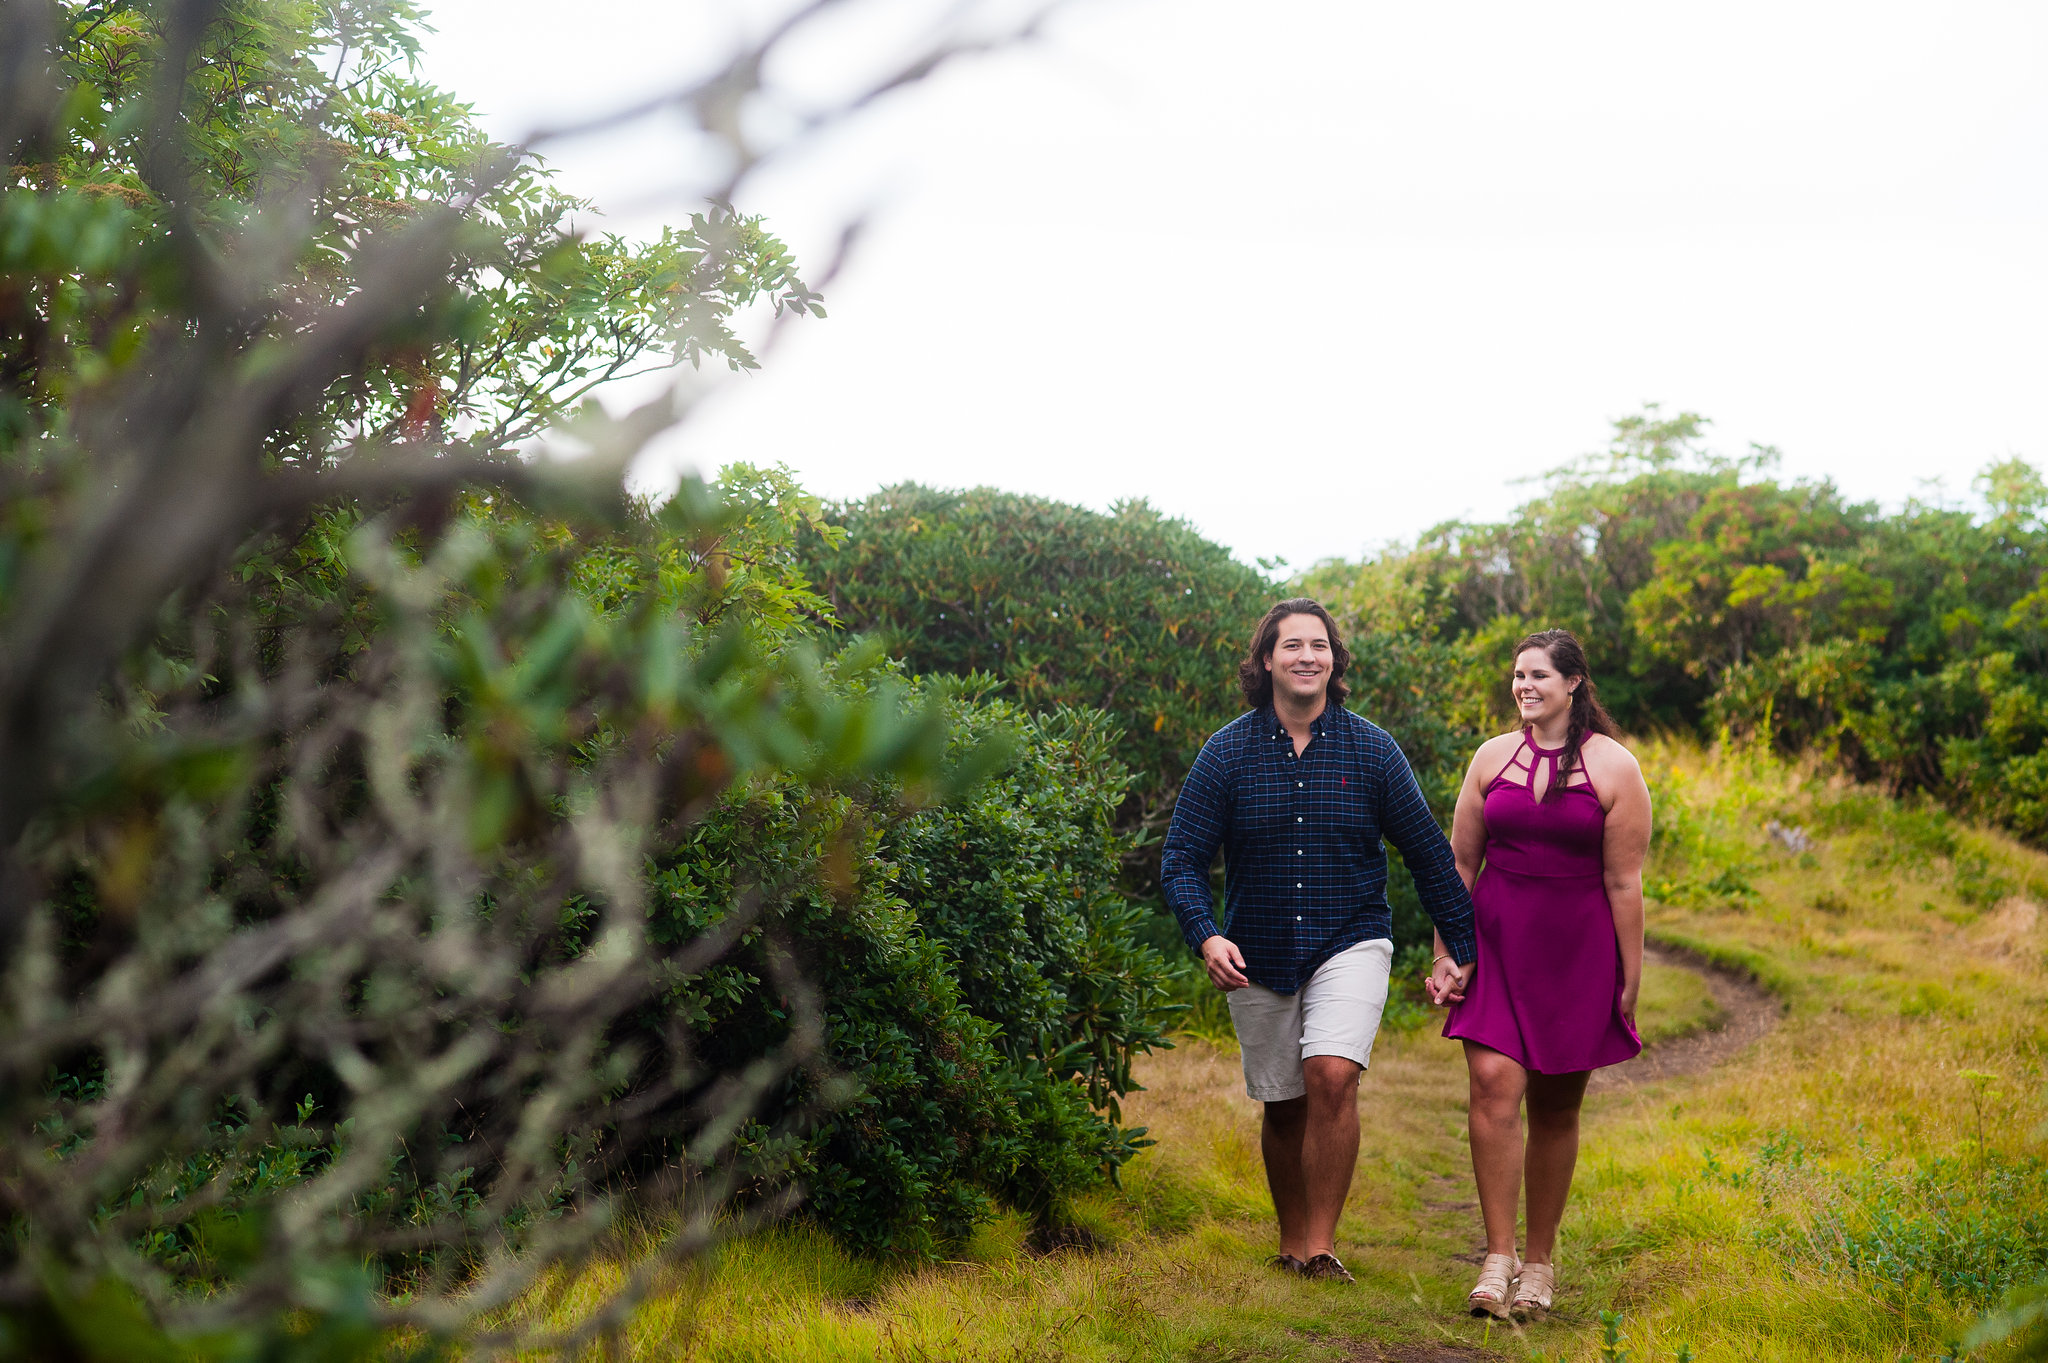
x,y
1589,716
1252,675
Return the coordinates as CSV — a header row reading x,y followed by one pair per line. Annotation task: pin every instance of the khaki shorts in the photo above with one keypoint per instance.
x,y
1336,1013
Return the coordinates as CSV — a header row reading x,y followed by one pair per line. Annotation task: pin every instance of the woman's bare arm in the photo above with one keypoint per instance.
x,y
1627,841
1468,850
1468,821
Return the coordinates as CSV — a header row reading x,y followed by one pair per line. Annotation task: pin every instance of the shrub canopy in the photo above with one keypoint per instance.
x,y
1129,612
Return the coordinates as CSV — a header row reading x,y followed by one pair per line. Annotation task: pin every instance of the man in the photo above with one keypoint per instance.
x,y
1298,793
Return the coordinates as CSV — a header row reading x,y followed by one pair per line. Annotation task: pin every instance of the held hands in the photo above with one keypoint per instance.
x,y
1447,982
1225,963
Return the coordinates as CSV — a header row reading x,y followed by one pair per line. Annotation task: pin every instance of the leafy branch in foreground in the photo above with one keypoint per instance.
x,y
336,732
394,881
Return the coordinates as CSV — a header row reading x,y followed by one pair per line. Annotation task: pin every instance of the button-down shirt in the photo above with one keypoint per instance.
x,y
1305,876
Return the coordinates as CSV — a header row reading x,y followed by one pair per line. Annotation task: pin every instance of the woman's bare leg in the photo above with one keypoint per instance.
x,y
1495,1121
1553,1151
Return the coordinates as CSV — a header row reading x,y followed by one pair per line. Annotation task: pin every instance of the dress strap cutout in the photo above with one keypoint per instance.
x,y
1579,769
1524,762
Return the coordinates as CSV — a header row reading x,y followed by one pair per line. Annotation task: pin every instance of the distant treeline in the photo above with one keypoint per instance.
x,y
1712,595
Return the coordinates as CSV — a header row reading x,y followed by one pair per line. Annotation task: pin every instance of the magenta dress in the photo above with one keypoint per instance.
x,y
1547,990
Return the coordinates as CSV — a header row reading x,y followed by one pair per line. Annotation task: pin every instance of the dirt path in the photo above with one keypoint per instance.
x,y
1415,1353
1422,1230
1749,1012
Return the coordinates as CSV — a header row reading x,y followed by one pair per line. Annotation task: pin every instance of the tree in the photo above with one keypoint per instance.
x,y
1911,646
1751,575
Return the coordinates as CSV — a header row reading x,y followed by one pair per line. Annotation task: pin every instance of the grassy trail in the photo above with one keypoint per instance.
x,y
1693,1016
1859,1182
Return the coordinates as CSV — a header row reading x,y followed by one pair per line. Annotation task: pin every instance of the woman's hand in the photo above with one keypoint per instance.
x,y
1446,982
1630,989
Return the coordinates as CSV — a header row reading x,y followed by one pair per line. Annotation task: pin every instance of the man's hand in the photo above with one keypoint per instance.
x,y
1447,982
1225,962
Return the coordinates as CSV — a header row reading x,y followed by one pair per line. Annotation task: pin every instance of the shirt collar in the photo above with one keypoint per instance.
x,y
1316,726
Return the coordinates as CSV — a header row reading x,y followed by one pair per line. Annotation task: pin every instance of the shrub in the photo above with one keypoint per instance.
x,y
1132,612
982,988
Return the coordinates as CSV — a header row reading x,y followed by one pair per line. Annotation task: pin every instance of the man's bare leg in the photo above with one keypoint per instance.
x,y
1329,1147
1280,1141
1311,1148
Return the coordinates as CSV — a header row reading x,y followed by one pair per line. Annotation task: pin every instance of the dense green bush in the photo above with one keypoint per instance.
x,y
1132,612
982,989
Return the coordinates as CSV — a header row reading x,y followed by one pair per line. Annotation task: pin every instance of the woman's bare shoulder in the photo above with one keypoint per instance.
x,y
1609,755
1499,744
1493,755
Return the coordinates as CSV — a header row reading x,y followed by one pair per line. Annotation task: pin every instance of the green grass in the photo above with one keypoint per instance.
x,y
1861,1184
1674,1003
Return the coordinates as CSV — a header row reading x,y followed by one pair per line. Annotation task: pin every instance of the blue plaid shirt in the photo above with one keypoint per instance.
x,y
1305,876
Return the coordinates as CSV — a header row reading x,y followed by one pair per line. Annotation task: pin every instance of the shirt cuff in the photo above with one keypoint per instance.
x,y
1464,949
1198,932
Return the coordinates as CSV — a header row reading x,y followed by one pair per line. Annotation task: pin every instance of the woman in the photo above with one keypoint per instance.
x,y
1550,832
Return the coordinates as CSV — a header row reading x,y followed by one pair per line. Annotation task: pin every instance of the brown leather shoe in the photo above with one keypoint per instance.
x,y
1286,1263
1326,1268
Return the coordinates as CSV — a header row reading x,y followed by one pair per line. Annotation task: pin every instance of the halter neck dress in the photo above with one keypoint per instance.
x,y
1547,989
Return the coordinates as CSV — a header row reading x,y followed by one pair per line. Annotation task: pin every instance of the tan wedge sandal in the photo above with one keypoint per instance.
x,y
1490,1295
1534,1290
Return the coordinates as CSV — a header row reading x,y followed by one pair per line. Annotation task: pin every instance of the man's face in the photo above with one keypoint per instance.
x,y
1301,659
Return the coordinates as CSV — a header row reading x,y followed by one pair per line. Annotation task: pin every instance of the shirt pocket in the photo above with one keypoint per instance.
x,y
1343,806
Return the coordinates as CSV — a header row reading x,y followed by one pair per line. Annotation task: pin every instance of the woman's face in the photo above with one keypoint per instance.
x,y
1541,695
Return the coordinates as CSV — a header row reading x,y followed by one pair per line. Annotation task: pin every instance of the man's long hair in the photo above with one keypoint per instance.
x,y
1252,675
1589,716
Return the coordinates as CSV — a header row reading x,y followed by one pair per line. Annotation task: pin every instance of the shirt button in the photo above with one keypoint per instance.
x,y
1297,918
1297,884
1297,818
1298,785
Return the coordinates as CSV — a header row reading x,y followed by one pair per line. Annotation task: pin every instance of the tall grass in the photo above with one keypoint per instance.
x,y
1861,1184
1871,1176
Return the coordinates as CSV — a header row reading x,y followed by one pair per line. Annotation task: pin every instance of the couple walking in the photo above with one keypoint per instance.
x,y
1538,907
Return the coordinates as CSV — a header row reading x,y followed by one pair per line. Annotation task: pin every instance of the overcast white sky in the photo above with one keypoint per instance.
x,y
1317,275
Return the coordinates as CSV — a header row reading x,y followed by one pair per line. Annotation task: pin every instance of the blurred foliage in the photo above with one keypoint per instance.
x,y
325,998
343,988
